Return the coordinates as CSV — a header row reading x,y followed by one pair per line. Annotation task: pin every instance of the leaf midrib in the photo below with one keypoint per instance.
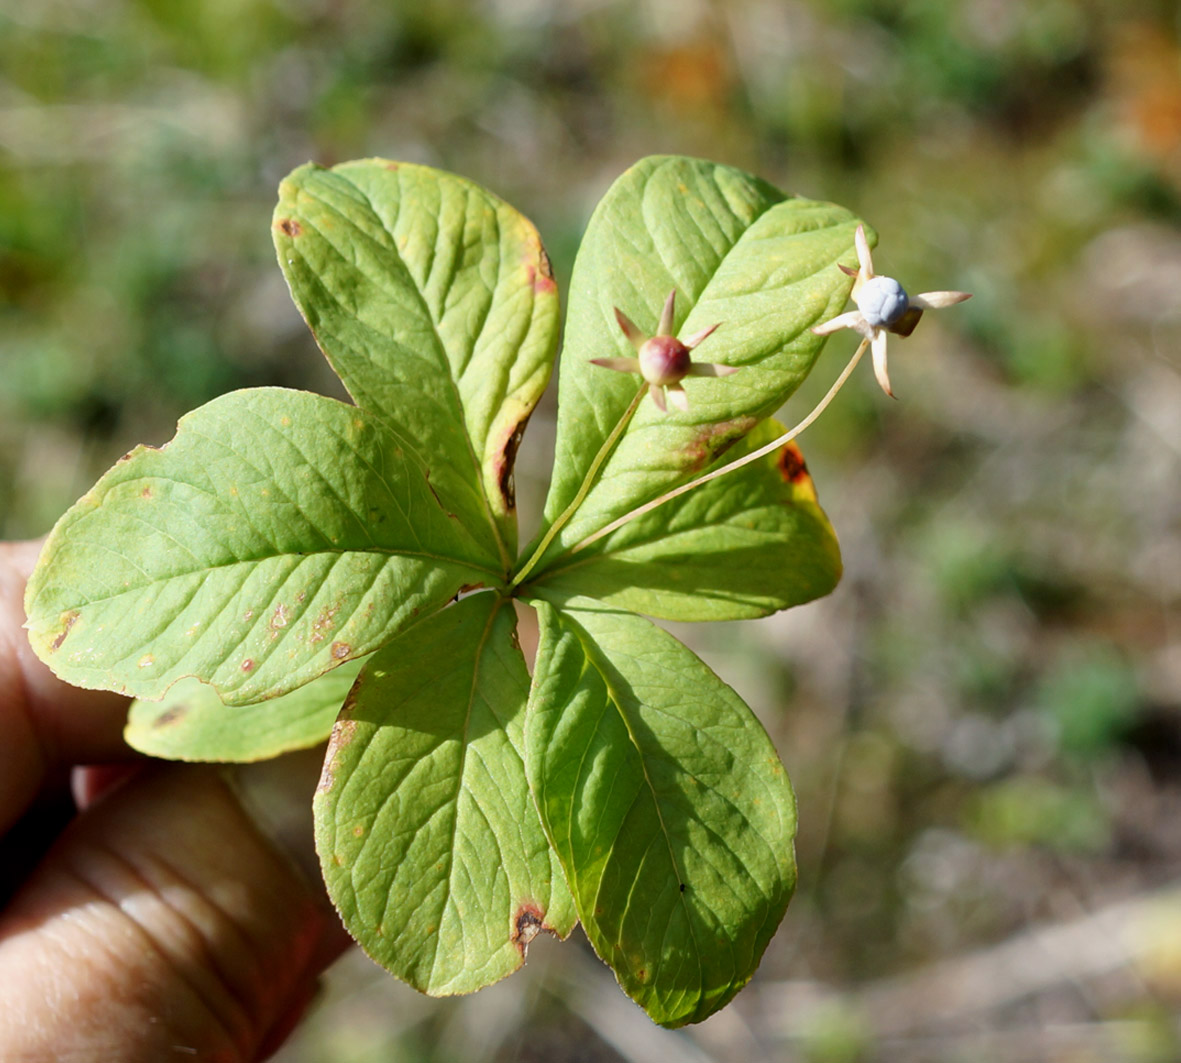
x,y
477,657
588,646
386,551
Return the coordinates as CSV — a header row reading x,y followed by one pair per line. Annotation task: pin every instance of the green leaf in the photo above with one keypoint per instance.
x,y
746,544
738,252
667,804
193,723
429,839
433,301
278,535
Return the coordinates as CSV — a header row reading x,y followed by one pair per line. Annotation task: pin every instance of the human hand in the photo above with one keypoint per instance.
x,y
179,915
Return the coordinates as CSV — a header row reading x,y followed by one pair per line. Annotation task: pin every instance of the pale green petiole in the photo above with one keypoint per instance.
x,y
587,483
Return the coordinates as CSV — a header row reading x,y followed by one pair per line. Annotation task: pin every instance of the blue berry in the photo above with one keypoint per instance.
x,y
882,301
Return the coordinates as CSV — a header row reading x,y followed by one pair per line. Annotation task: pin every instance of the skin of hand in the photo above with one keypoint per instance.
x,y
179,915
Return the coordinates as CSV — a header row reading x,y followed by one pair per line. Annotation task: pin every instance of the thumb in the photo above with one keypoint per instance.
x,y
164,924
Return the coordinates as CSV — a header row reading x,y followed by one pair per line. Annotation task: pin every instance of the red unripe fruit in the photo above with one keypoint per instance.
x,y
664,360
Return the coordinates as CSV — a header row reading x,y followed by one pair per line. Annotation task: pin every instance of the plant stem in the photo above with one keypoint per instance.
x,y
775,444
587,483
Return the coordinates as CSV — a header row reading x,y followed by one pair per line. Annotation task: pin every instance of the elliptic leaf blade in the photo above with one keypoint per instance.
x,y
433,301
277,535
739,253
430,843
667,804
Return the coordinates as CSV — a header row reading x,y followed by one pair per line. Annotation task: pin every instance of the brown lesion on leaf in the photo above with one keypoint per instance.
x,y
278,619
528,922
791,464
505,461
322,625
173,714
290,226
248,664
541,278
794,471
136,451
714,440
68,621
146,492
537,264
342,735
340,650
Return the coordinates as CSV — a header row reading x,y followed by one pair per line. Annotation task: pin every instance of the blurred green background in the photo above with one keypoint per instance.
x,y
983,723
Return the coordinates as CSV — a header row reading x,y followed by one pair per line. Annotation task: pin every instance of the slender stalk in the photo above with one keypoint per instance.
x,y
639,511
588,482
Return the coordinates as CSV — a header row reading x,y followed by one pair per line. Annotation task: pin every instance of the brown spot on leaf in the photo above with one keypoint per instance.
x,y
342,735
792,466
247,664
505,460
528,922
358,830
300,596
146,493
714,440
322,625
278,619
173,714
340,650
68,621
291,227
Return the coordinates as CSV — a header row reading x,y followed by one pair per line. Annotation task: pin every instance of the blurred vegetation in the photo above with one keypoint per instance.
x,y
984,722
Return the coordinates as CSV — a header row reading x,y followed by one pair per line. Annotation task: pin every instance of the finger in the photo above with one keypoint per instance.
x,y
164,924
46,723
